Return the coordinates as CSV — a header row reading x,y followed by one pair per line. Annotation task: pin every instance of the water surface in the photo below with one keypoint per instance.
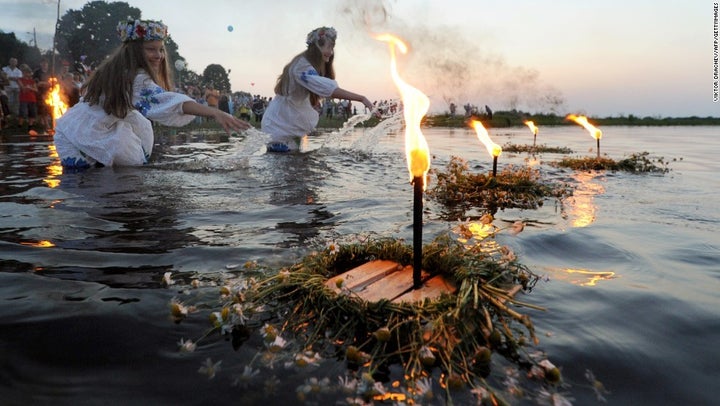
x,y
630,262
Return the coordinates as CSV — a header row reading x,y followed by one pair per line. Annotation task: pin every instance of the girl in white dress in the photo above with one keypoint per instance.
x,y
111,125
294,111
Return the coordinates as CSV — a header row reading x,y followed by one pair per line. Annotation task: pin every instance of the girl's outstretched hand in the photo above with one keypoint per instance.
x,y
230,123
367,103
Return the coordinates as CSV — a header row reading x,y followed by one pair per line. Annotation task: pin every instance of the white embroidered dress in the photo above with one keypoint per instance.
x,y
290,117
86,135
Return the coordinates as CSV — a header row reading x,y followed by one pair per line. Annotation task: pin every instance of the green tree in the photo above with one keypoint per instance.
x,y
90,34
215,75
11,47
92,31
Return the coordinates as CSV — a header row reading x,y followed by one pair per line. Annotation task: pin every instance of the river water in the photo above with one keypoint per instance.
x,y
630,263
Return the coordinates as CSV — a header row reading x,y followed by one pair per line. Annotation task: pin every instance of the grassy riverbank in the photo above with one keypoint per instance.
x,y
500,119
517,119
514,118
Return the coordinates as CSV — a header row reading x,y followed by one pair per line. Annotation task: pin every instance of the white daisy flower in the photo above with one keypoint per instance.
x,y
209,368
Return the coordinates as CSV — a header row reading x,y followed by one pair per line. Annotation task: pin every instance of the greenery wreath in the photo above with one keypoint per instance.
x,y
456,333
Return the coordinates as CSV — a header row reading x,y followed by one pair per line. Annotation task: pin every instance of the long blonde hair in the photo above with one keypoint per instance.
x,y
314,55
111,84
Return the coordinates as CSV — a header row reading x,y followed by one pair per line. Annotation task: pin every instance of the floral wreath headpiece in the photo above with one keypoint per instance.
x,y
321,33
145,30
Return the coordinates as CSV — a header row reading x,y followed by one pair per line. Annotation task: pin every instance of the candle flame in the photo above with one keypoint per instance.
x,y
54,102
583,121
532,127
415,106
493,149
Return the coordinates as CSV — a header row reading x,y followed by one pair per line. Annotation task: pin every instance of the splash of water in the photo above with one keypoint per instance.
x,y
247,144
390,124
371,136
231,155
336,136
240,148
253,142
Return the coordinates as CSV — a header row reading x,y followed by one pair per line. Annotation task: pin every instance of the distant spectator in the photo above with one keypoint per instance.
x,y
345,109
13,88
224,103
329,107
27,109
244,111
231,104
212,97
258,108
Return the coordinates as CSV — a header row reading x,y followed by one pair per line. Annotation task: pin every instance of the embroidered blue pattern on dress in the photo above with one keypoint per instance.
x,y
147,99
75,163
305,74
278,147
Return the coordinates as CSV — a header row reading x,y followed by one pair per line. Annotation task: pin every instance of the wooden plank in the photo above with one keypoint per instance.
x,y
359,277
431,289
389,287
384,279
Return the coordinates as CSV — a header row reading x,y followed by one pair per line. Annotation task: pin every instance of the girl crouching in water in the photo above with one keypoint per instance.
x,y
111,125
294,111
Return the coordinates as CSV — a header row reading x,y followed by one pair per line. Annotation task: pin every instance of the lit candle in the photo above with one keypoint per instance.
x,y
417,152
534,130
594,131
493,149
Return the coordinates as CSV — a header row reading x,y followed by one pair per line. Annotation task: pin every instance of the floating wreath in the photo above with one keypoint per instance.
x,y
446,341
459,189
454,332
535,149
635,163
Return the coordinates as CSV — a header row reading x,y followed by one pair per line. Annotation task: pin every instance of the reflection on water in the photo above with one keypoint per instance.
x,y
54,169
38,244
581,207
583,277
474,236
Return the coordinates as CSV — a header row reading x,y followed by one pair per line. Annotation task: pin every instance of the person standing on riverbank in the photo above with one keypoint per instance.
x,y
13,88
112,123
27,109
310,76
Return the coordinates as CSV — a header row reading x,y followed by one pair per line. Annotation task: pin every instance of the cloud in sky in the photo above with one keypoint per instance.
x,y
600,57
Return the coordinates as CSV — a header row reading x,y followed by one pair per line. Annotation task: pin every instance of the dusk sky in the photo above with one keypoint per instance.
x,y
603,58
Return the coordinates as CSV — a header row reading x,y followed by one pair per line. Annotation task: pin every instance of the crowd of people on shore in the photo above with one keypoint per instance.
x,y
252,107
24,90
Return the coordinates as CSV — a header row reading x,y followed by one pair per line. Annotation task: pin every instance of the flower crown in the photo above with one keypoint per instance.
x,y
145,30
321,33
